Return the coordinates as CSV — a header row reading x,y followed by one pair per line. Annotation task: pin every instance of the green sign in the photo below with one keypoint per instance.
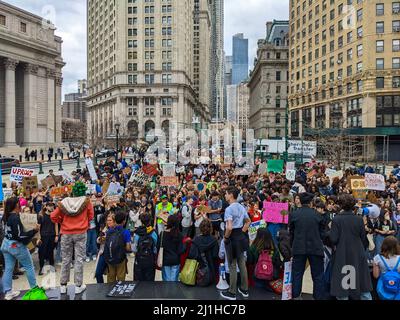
x,y
275,166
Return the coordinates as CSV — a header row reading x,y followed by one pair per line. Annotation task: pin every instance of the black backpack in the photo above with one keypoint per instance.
x,y
203,274
114,249
145,255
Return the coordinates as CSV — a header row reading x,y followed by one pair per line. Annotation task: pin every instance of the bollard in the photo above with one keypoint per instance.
x,y
78,166
41,168
60,165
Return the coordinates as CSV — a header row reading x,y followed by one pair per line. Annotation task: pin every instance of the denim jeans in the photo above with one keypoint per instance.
x,y
91,244
378,243
241,263
15,251
170,273
363,296
100,268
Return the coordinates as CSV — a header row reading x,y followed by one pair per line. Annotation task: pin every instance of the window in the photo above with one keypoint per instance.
x,y
380,82
380,27
278,76
396,7
396,82
380,46
278,118
380,9
380,64
359,50
396,45
2,20
149,78
132,79
396,63
278,103
396,26
22,27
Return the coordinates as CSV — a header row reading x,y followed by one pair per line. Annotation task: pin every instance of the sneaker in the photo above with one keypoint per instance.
x,y
87,259
79,290
244,293
227,295
63,289
12,294
94,258
59,264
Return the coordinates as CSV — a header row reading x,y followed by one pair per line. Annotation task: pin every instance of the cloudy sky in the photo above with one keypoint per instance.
x,y
69,16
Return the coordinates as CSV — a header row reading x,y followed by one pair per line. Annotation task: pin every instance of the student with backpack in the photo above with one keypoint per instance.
x,y
117,244
386,268
145,249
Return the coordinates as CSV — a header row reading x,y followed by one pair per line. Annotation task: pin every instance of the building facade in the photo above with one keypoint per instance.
x,y
231,103
243,106
141,62
268,83
345,69
30,79
240,58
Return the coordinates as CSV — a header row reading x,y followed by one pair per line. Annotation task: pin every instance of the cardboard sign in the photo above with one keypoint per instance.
x,y
114,189
254,227
105,186
291,175
7,193
198,172
17,174
203,209
262,168
357,183
360,194
168,170
275,166
127,171
57,192
290,166
272,212
375,181
332,174
28,220
140,179
90,167
180,170
150,170
30,185
287,282
122,290
110,200
169,181
51,181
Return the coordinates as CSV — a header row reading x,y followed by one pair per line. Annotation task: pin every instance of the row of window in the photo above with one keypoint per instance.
x,y
150,9
22,25
166,20
150,78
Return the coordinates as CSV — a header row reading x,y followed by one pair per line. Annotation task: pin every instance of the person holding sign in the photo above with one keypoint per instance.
x,y
163,210
14,247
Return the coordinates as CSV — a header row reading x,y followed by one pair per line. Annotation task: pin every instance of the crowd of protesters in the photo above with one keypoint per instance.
x,y
206,217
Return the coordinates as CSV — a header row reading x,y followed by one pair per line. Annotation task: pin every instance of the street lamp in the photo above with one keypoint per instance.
x,y
117,127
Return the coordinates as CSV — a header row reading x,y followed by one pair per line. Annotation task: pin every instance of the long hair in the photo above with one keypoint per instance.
x,y
173,225
9,206
263,240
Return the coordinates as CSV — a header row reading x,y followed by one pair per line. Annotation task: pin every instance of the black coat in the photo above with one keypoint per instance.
x,y
307,229
350,240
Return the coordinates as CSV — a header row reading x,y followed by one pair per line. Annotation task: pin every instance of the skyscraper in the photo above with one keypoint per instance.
x,y
143,70
240,58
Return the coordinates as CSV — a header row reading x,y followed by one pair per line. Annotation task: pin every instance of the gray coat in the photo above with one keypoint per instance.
x,y
349,238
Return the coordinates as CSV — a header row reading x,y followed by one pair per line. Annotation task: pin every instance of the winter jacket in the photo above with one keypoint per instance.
x,y
173,248
74,215
284,245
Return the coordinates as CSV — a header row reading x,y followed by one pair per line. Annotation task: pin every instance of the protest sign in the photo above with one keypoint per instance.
x,y
360,194
311,173
67,177
275,166
150,170
332,174
90,167
110,200
122,290
7,193
28,220
114,189
357,183
262,168
140,179
254,227
273,212
203,209
127,171
198,172
30,185
169,181
291,175
168,170
375,181
91,189
287,282
56,192
290,166
17,174
180,170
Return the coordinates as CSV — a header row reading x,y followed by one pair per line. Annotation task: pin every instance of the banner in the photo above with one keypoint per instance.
x,y
275,166
273,212
290,166
291,175
57,192
169,181
17,174
375,181
168,170
287,282
90,167
254,227
30,185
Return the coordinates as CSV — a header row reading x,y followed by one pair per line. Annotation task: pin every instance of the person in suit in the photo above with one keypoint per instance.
x,y
307,230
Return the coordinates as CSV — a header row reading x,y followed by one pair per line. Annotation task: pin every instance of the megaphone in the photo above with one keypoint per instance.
x,y
222,284
372,211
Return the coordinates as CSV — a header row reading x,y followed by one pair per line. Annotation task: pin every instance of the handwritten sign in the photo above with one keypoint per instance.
x,y
290,166
273,212
291,175
18,174
262,168
254,227
332,174
110,200
287,282
169,181
150,170
30,185
375,181
114,189
91,189
90,167
28,220
61,191
168,170
8,193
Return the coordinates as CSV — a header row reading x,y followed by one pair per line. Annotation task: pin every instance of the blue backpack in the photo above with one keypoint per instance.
x,y
388,287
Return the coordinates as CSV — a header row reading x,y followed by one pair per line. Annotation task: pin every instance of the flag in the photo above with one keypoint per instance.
x,y
1,186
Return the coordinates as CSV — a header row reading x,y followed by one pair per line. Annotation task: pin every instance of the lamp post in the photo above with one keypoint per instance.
x,y
117,127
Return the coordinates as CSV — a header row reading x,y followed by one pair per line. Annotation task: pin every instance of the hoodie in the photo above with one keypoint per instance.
x,y
74,215
142,231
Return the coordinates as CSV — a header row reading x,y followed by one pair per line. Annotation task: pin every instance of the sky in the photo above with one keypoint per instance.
x,y
69,16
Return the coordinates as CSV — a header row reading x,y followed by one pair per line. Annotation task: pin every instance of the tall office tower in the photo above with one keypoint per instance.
x,y
218,59
141,67
344,70
227,79
240,58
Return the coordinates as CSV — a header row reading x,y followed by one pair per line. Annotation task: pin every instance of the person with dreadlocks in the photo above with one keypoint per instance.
x,y
74,215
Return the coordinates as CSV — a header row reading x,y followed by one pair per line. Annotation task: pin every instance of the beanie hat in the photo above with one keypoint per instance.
x,y
79,189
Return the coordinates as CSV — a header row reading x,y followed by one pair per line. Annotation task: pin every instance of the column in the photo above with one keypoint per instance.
x,y
58,111
10,126
30,104
140,118
51,104
158,112
313,117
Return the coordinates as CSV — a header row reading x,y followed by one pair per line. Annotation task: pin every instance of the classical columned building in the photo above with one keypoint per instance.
x,y
30,79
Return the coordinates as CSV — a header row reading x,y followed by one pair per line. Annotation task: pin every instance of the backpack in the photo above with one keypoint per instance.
x,y
36,293
264,268
114,248
145,255
388,287
203,274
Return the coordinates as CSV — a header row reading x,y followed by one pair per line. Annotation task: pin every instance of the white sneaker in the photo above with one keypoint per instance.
x,y
79,290
87,260
11,295
94,258
63,289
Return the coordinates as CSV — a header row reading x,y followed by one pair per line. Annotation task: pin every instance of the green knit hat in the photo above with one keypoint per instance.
x,y
79,189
